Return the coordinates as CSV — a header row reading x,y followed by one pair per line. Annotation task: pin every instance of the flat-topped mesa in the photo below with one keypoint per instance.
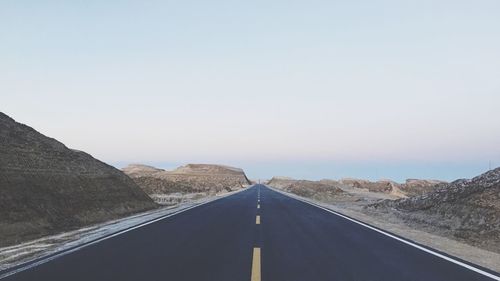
x,y
208,177
209,169
200,179
46,187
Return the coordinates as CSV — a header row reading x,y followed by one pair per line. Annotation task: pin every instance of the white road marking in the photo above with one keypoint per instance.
x,y
65,252
487,274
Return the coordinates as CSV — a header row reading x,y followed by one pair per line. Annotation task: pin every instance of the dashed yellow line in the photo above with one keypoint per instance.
x,y
256,251
256,265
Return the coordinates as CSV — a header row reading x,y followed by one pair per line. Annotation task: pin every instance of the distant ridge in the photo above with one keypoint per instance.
x,y
200,179
411,187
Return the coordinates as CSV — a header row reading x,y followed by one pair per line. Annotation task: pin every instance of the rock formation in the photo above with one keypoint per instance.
x,y
411,187
202,179
463,209
46,187
321,191
281,182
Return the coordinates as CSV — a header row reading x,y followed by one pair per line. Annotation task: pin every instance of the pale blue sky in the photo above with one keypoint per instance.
x,y
314,89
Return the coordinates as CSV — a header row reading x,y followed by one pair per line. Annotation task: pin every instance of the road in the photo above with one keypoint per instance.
x,y
256,234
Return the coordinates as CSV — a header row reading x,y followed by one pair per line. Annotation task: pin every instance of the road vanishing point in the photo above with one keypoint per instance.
x,y
256,234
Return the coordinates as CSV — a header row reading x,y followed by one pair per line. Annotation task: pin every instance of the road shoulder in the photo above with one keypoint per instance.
x,y
17,256
486,259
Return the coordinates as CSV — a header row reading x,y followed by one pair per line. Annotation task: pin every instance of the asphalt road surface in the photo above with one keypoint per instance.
x,y
256,234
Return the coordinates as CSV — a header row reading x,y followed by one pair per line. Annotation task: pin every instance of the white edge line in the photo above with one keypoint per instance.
x,y
397,238
69,251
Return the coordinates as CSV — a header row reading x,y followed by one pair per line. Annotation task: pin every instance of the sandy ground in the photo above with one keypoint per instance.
x,y
18,254
487,259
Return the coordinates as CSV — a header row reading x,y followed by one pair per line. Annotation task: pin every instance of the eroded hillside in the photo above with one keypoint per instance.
x,y
187,182
46,187
467,210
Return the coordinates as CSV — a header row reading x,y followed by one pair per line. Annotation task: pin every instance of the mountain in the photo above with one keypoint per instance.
x,y
171,187
46,187
467,209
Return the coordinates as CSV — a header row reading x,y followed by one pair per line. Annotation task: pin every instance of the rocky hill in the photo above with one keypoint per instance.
x,y
46,187
170,187
464,209
364,188
385,186
320,191
411,187
281,182
138,170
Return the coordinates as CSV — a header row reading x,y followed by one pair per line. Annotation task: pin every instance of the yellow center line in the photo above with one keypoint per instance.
x,y
256,265
257,220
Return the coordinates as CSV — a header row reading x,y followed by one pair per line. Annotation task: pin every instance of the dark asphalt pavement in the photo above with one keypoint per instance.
x,y
215,242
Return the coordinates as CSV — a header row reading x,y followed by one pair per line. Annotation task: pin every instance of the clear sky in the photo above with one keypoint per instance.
x,y
312,89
